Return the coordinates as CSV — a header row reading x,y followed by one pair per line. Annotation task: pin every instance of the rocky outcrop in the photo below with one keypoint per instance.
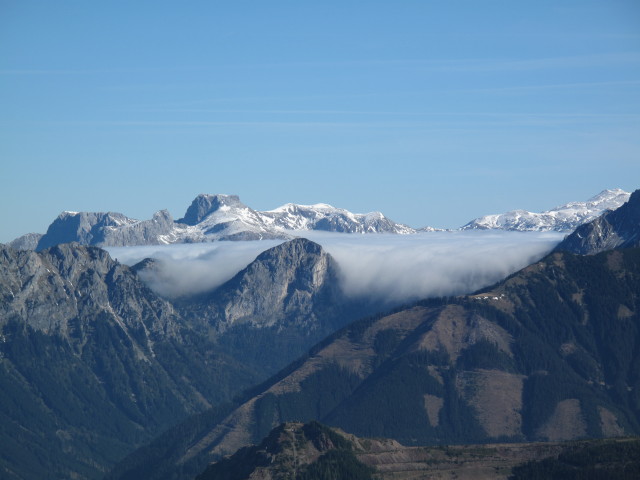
x,y
294,450
86,228
62,289
108,229
28,241
292,284
618,228
204,205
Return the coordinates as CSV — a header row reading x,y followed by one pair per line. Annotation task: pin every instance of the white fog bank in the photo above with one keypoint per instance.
x,y
395,268
401,268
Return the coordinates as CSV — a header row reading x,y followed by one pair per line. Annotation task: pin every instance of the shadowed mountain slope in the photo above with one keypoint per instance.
x,y
93,363
551,353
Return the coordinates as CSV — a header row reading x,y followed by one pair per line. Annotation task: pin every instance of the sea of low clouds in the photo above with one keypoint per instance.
x,y
395,268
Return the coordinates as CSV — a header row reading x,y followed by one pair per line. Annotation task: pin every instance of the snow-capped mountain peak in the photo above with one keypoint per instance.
x,y
322,216
206,204
224,217
563,218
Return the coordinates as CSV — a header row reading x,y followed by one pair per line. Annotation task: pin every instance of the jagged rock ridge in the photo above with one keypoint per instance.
x,y
619,228
208,218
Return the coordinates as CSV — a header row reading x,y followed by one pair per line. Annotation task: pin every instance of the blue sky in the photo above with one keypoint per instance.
x,y
433,112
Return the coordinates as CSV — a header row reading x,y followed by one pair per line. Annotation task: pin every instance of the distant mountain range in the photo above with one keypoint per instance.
x,y
225,217
564,218
208,218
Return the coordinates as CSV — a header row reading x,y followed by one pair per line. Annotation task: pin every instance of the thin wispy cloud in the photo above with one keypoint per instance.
x,y
556,86
457,64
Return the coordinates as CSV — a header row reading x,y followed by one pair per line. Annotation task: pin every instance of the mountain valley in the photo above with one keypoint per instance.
x,y
94,364
549,354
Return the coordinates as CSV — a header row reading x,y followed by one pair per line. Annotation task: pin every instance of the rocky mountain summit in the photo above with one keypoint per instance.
x,y
561,219
224,217
301,280
208,218
619,228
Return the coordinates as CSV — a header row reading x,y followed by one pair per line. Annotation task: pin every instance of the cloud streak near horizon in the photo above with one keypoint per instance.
x,y
392,268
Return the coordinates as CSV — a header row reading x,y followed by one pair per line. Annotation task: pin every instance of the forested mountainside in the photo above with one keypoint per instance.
x,y
314,451
550,353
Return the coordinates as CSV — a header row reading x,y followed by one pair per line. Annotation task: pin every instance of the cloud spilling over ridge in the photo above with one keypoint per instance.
x,y
191,268
400,268
394,268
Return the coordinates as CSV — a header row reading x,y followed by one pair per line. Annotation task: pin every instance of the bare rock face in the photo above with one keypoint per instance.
x,y
292,284
159,229
204,205
63,288
99,363
28,241
107,229
618,228
86,228
96,362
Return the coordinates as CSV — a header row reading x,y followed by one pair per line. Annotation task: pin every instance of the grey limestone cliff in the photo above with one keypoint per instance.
x,y
28,241
292,284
